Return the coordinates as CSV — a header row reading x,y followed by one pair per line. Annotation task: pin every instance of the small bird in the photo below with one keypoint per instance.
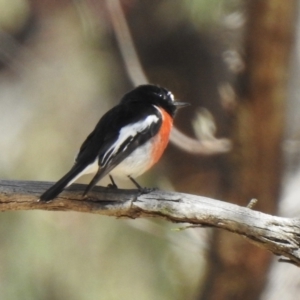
x,y
128,140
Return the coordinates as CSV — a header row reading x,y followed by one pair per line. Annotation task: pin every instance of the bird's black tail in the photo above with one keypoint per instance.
x,y
58,187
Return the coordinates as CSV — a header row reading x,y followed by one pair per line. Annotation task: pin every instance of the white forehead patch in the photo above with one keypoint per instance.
x,y
171,96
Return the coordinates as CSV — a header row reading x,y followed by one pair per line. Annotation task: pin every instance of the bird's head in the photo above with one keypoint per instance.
x,y
155,95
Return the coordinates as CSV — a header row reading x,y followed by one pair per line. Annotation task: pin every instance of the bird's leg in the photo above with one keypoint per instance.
x,y
112,185
135,183
143,190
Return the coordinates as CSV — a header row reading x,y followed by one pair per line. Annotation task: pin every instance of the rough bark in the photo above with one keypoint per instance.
x,y
278,235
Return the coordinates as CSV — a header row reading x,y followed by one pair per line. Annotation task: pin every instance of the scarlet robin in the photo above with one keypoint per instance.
x,y
127,141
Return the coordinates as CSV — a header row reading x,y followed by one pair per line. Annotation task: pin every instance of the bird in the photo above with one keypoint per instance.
x,y
128,140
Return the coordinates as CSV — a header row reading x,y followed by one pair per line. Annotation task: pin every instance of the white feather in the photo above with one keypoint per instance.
x,y
126,132
89,169
136,163
133,165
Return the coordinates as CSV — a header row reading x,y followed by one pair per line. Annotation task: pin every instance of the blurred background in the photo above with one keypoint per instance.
x,y
61,69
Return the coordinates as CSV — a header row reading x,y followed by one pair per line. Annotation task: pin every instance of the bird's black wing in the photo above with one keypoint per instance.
x,y
109,145
134,128
65,181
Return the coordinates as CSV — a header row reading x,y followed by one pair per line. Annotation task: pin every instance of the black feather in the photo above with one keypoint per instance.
x,y
134,107
58,187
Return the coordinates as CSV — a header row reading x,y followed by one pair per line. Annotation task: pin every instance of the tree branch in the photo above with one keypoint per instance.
x,y
278,235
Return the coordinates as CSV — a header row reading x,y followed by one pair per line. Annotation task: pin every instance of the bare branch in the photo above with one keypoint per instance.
x,y
130,57
203,147
278,235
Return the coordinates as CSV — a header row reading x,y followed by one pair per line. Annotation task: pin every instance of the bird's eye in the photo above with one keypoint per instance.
x,y
160,95
166,95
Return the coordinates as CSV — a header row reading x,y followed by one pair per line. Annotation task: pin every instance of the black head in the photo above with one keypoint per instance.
x,y
155,95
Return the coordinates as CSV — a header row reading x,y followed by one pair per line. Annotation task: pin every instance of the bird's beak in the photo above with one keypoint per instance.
x,y
181,104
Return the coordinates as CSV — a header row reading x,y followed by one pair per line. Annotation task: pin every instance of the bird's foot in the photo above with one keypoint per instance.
x,y
142,190
112,185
